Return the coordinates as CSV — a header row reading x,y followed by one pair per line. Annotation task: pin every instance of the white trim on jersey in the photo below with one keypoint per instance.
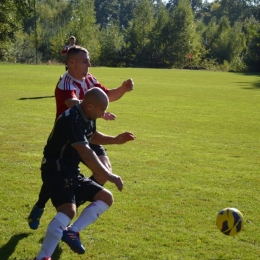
x,y
67,82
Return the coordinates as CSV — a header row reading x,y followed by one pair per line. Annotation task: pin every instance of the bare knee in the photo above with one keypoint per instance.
x,y
105,196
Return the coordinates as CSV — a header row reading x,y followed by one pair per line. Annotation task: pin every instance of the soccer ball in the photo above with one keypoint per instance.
x,y
230,221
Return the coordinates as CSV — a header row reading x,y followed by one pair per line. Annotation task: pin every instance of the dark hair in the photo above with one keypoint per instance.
x,y
74,50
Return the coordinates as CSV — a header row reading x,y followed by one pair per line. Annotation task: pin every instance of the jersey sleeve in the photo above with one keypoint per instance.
x,y
61,96
76,128
63,91
91,82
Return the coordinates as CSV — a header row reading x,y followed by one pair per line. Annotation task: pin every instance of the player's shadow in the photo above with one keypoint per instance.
x,y
56,254
25,98
7,250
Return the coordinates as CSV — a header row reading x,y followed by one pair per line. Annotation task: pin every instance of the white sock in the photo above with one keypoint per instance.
x,y
89,215
53,235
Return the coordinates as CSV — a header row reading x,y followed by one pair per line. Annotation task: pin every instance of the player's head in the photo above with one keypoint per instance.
x,y
72,40
95,103
78,62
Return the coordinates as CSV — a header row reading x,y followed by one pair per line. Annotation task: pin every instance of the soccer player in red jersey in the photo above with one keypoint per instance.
x,y
69,91
72,42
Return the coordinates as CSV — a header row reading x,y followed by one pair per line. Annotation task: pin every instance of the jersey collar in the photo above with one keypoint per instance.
x,y
82,113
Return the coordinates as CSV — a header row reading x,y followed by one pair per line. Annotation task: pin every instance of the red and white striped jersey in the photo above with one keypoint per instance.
x,y
65,50
69,87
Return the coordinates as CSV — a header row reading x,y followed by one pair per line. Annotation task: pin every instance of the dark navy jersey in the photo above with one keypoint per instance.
x,y
72,127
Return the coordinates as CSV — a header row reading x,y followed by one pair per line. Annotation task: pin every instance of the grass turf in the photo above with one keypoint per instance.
x,y
196,152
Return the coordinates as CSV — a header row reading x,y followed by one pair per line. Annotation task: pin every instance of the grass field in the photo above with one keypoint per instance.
x,y
197,151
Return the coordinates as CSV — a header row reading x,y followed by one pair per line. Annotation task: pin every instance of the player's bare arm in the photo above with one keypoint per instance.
x,y
91,160
109,116
100,138
70,102
116,93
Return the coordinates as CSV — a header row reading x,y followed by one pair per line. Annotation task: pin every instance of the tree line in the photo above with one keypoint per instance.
x,y
135,33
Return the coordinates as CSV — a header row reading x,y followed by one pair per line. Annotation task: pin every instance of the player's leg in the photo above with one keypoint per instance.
x,y
100,203
101,200
38,208
101,153
54,233
63,198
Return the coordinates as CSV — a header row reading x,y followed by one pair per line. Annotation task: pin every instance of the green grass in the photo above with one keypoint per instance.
x,y
196,152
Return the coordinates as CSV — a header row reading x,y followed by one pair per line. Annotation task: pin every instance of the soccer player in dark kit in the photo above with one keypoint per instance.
x,y
69,91
67,146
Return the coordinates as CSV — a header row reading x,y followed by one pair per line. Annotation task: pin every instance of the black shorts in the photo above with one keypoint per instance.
x,y
70,188
98,149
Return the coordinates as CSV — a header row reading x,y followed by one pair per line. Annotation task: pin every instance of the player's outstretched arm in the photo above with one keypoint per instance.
x,y
116,93
109,116
99,170
70,102
100,138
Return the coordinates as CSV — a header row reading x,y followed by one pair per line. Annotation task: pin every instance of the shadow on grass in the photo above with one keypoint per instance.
x,y
7,250
250,85
257,84
57,253
25,98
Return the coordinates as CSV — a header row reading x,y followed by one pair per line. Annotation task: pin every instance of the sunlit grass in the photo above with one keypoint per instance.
x,y
196,152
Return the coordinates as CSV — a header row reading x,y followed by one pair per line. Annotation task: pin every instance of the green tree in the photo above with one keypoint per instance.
x,y
11,15
83,26
225,43
156,45
47,26
196,5
252,33
120,11
111,43
106,11
81,23
182,38
139,31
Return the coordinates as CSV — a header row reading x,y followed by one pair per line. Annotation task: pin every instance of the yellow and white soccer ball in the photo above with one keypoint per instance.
x,y
230,221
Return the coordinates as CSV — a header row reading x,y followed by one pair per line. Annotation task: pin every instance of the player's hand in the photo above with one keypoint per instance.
x,y
109,116
125,137
128,85
117,181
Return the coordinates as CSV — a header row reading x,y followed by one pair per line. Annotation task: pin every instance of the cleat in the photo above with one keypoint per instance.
x,y
34,218
71,238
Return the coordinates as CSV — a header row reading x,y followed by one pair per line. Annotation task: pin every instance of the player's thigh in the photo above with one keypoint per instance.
x,y
61,186
87,190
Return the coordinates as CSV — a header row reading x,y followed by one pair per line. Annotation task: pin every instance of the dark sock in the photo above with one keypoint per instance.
x,y
43,197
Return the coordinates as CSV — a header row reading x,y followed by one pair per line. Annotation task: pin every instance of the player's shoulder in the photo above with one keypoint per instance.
x,y
68,117
66,82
